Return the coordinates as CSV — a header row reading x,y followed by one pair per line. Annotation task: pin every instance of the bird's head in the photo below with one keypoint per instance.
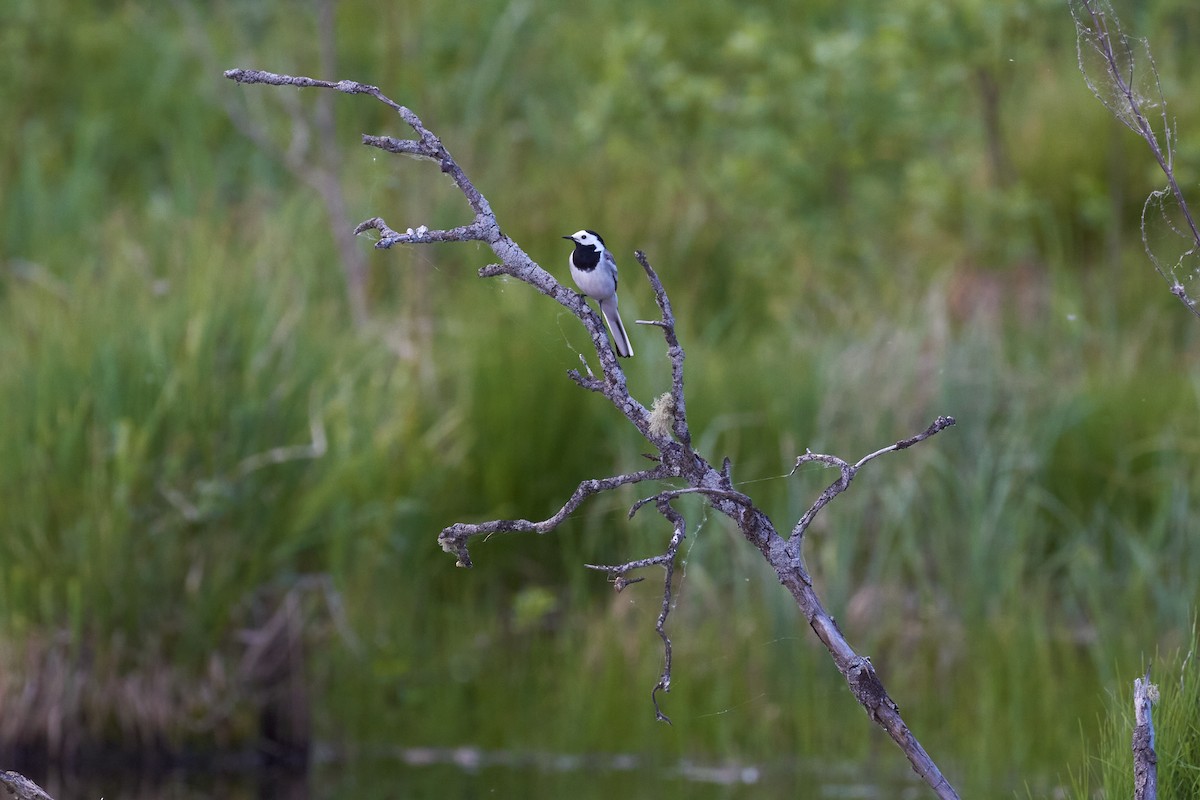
x,y
587,238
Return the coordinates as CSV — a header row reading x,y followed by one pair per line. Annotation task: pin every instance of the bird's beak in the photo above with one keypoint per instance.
x,y
572,238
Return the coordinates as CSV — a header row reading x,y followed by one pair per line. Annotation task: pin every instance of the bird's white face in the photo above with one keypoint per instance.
x,y
587,239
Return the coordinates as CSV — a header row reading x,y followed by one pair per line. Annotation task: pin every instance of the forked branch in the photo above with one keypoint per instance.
x,y
796,540
665,428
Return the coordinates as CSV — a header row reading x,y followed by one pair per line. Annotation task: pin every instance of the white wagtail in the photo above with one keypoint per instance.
x,y
595,272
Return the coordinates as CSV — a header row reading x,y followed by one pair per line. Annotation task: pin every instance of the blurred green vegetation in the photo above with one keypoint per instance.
x,y
865,217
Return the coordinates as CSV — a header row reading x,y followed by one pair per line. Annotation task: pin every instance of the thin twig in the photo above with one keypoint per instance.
x,y
664,680
666,560
848,471
454,538
670,494
674,352
1099,29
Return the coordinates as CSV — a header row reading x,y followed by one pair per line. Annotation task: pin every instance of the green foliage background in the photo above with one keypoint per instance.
x,y
852,246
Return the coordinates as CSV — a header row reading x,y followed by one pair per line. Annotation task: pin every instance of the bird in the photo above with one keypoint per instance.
x,y
595,272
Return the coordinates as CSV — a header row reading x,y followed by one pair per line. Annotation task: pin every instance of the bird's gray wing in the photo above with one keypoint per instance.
x,y
611,262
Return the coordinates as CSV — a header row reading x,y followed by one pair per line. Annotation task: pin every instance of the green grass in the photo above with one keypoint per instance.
x,y
814,189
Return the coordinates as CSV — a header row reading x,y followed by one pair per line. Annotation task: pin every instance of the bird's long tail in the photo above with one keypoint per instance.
x,y
613,318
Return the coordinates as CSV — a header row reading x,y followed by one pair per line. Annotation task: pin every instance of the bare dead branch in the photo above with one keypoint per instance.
x,y
428,146
666,560
421,235
674,351
454,538
664,680
796,540
848,472
676,458
620,570
670,494
514,261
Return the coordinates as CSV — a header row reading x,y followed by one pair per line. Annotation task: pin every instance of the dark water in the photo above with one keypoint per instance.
x,y
469,773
